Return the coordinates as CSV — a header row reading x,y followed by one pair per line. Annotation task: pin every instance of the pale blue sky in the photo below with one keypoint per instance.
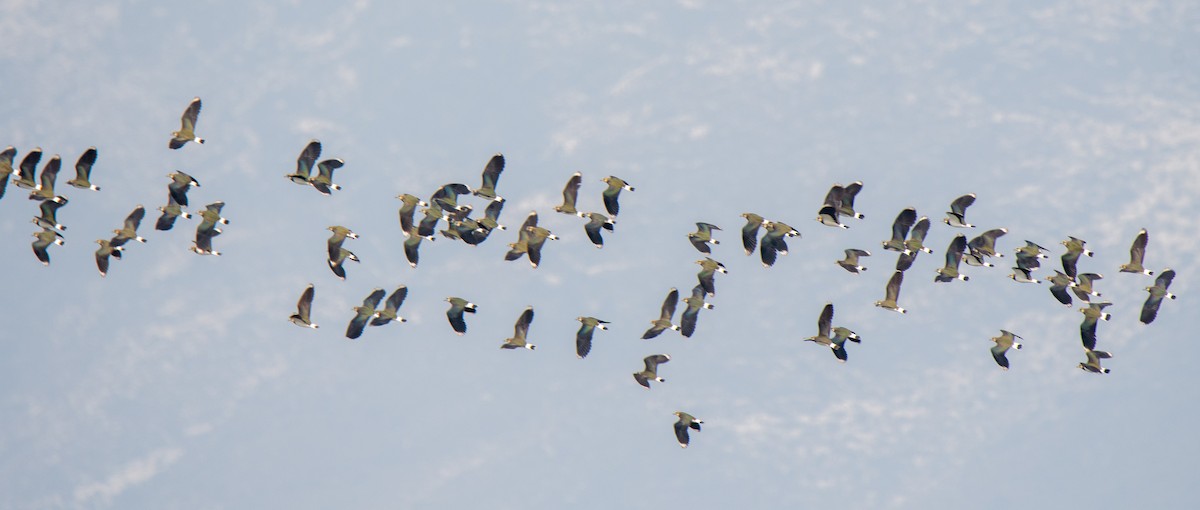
x,y
177,381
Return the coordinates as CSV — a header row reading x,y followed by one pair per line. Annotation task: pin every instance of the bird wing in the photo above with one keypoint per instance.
x,y
905,261
325,170
190,116
491,171
825,320
903,222
920,230
681,433
850,191
707,281
308,158
959,205
1060,293
592,228
767,251
654,360
28,167
355,328
610,196
1137,252
455,316
1087,332
834,197
699,244
641,379
955,250
135,219
1164,279
583,340
396,299
304,306
101,262
893,286
372,300
687,320
6,159
521,328
493,209
83,166
998,353
50,174
571,190
750,236
668,306
1150,309
411,245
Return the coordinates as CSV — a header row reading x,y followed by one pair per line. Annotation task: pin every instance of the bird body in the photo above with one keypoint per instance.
x,y
702,237
129,230
610,195
695,303
850,263
570,194
1093,362
954,252
458,306
1075,248
187,127
900,226
685,422
663,322
651,372
44,190
893,293
302,317
707,274
750,231
323,181
520,331
596,221
179,186
1137,254
957,216
41,245
49,213
1158,291
491,176
364,313
390,308
103,253
1004,342
824,323
583,337
1092,314
305,162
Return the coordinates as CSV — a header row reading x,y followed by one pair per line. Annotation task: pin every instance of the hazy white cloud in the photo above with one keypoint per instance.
x,y
133,473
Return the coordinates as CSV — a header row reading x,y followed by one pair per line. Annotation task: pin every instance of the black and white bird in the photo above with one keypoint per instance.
x,y
957,216
1137,253
954,252
1158,291
1004,342
520,331
302,317
850,263
651,372
685,422
893,293
663,322
187,127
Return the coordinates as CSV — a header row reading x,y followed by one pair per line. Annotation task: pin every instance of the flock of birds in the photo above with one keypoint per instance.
x,y
444,207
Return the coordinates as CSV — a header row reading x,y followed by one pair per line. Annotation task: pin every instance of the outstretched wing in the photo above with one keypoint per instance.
x,y
308,158
668,306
